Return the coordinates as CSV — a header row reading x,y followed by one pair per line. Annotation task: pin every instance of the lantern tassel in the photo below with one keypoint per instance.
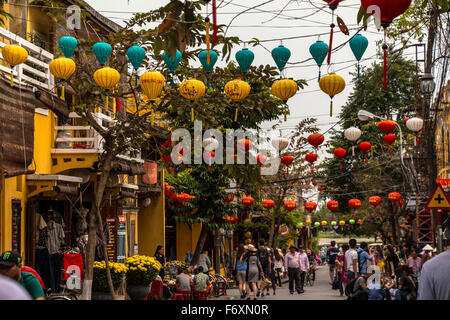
x,y
331,39
152,118
353,151
192,114
285,114
136,80
287,172
207,83
389,147
172,85
340,164
208,56
416,142
385,70
312,170
236,114
62,93
358,70
118,104
366,159
331,108
12,78
320,73
214,14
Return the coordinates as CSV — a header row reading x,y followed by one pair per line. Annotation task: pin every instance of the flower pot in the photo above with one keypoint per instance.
x,y
101,296
138,292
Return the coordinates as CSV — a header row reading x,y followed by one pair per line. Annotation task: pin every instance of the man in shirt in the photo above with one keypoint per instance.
x,y
204,261
360,289
292,265
10,263
304,267
363,257
351,260
434,278
184,282
332,253
201,280
11,290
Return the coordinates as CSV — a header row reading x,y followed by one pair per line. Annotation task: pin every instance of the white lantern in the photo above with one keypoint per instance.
x,y
210,144
280,143
352,134
414,124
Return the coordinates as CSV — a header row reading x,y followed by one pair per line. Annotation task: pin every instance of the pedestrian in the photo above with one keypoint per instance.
x,y
363,258
254,269
415,263
241,270
292,265
331,256
304,267
406,287
278,266
10,266
379,257
434,278
201,281
392,261
360,290
264,259
427,253
188,257
204,261
340,270
351,260
272,271
159,255
184,282
312,264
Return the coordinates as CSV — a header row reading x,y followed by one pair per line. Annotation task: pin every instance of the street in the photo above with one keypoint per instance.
x,y
320,291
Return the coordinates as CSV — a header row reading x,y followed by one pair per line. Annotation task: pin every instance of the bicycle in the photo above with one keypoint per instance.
x,y
66,293
310,277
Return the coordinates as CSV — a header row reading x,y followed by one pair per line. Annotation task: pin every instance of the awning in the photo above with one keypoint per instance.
x,y
52,185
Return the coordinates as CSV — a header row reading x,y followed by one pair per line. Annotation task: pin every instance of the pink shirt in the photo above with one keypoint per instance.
x,y
304,262
292,260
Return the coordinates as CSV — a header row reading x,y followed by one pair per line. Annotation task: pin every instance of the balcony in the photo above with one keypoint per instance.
x,y
35,70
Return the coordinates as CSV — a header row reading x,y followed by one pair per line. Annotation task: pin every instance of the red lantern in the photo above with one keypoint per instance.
x,y
310,206
388,11
316,139
245,144
287,160
314,183
389,139
247,201
375,201
340,153
394,197
386,126
261,160
268,204
333,4
355,204
365,147
320,188
332,205
311,158
168,189
405,119
290,205
229,198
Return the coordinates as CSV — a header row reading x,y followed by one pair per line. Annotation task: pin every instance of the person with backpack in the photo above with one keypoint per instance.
x,y
363,257
331,256
357,288
351,260
264,259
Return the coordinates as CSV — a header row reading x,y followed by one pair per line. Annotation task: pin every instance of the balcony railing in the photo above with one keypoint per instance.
x,y
35,70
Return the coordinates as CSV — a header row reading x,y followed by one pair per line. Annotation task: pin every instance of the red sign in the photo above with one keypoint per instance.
x,y
443,182
151,173
121,219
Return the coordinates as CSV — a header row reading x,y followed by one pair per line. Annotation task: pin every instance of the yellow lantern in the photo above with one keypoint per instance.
x,y
107,78
237,90
14,55
342,223
62,68
192,89
324,223
152,82
332,84
308,222
284,89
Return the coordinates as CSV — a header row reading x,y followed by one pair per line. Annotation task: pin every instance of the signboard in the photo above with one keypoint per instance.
x,y
438,199
443,182
284,229
112,241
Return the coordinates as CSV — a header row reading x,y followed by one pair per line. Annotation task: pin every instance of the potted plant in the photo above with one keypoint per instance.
x,y
142,271
100,288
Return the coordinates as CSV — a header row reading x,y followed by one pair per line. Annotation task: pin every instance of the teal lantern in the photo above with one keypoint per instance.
x,y
317,224
245,58
203,57
352,221
281,55
102,51
172,63
359,44
319,51
67,44
136,55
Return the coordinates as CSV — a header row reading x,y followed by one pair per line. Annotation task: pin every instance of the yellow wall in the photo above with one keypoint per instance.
x,y
442,143
187,239
43,142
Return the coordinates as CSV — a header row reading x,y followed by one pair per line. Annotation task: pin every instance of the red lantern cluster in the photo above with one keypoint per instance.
x,y
290,205
340,153
268,204
310,206
316,139
248,201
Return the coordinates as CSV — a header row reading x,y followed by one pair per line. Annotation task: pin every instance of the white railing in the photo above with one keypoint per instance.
x,y
35,70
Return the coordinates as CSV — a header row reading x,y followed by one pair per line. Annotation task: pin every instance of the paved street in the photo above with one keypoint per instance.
x,y
320,291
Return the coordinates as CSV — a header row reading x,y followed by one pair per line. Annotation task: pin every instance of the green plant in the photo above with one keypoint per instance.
x,y
142,270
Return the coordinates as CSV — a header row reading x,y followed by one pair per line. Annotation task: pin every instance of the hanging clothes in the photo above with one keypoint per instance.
x,y
73,261
55,237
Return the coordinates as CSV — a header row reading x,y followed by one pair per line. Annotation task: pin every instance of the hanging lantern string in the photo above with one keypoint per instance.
x,y
214,13
385,62
208,57
330,47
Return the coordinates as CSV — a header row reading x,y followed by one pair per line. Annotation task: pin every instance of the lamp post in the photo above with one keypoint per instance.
x,y
427,84
365,115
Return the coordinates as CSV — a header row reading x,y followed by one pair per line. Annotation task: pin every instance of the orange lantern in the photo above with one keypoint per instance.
x,y
290,205
355,204
311,158
310,206
375,201
287,160
268,204
316,139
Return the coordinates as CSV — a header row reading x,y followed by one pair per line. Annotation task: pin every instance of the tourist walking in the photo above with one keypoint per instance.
x,y
254,269
392,261
331,256
292,265
351,260
434,278
241,270
304,267
342,273
264,259
278,265
379,257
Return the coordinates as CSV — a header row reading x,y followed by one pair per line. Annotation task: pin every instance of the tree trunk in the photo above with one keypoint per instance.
x,y
200,244
89,257
272,226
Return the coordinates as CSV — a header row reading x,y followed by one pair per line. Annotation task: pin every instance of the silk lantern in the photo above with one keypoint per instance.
x,y
387,11
287,160
317,224
332,85
289,205
342,223
308,222
107,78
389,139
14,55
193,90
394,197
319,51
415,125
333,223
316,139
281,55
333,4
136,56
268,204
365,147
359,45
102,51
332,205
208,66
311,158
152,83
245,59
284,89
386,126
247,201
237,90
352,134
340,153
68,44
310,206
228,198
324,223
62,68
